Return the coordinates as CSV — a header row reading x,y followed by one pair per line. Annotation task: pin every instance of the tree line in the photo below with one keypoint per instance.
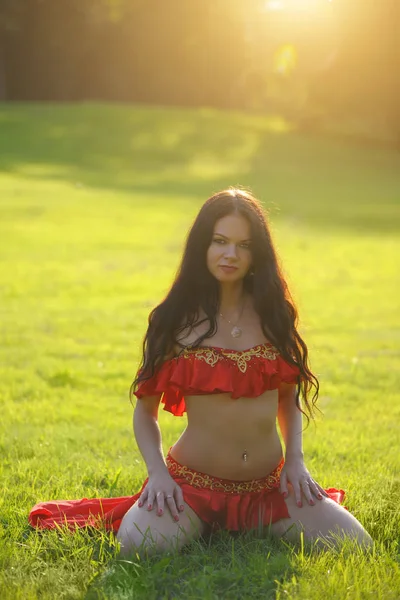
x,y
224,53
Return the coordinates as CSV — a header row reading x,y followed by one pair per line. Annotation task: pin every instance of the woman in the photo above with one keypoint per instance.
x,y
224,347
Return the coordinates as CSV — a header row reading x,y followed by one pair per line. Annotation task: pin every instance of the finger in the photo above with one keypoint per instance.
x,y
179,498
297,494
314,488
305,486
283,485
143,497
172,507
150,500
160,503
322,493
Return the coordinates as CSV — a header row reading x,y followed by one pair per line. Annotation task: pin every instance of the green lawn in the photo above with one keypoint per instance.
x,y
95,203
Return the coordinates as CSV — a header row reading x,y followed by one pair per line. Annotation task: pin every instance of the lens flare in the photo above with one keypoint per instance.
x,y
295,5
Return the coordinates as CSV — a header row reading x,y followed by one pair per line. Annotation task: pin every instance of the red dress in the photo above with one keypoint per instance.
x,y
232,505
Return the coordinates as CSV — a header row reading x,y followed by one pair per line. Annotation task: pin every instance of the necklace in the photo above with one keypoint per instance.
x,y
235,331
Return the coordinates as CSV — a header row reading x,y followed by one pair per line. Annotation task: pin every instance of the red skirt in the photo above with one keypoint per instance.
x,y
221,503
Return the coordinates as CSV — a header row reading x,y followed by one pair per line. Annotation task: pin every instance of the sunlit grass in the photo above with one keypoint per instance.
x,y
95,202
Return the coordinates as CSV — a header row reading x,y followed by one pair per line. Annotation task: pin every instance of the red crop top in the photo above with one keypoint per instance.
x,y
211,370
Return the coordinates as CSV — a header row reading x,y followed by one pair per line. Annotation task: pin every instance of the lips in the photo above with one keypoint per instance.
x,y
228,269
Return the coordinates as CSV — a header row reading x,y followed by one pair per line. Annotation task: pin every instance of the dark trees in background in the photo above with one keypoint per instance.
x,y
160,51
199,52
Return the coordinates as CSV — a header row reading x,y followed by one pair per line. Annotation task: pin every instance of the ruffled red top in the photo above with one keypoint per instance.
x,y
211,370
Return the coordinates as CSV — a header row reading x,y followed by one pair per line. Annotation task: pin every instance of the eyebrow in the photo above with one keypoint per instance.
x,y
226,238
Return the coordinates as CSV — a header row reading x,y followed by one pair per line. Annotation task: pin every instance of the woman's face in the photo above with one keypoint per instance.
x,y
229,256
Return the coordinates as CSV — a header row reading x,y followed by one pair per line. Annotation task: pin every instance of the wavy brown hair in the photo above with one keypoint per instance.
x,y
195,289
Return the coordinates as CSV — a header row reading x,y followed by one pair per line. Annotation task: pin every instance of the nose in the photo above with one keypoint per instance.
x,y
230,251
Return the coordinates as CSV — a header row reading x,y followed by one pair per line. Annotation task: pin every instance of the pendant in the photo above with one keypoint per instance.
x,y
236,332
244,456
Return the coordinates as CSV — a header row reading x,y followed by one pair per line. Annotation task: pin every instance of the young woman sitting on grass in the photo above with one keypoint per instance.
x,y
224,347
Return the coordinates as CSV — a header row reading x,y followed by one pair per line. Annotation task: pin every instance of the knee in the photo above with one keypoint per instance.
x,y
362,537
356,534
146,543
353,530
130,541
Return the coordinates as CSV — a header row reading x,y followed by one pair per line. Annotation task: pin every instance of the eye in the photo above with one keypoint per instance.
x,y
219,241
245,245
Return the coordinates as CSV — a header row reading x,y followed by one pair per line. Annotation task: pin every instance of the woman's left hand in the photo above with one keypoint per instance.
x,y
295,472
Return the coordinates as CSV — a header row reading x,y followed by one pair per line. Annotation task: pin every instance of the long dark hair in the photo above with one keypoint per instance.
x,y
195,289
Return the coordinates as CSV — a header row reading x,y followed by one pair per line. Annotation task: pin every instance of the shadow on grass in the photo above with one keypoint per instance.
x,y
229,567
190,154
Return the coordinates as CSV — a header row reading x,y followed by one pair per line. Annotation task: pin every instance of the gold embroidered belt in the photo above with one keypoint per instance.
x,y
204,481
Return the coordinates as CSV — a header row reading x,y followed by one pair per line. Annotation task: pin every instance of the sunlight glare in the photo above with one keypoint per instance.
x,y
275,5
296,5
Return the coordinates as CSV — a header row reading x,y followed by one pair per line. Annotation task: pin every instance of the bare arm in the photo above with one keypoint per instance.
x,y
148,434
161,489
290,421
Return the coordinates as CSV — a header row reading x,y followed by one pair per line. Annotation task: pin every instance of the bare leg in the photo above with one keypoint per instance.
x,y
142,530
319,522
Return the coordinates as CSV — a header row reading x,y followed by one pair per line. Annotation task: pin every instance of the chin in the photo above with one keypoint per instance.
x,y
223,278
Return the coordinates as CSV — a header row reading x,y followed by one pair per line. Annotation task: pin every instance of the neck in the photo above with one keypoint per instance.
x,y
231,297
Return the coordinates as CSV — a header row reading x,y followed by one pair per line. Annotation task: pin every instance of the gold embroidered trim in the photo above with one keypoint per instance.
x,y
204,481
241,357
209,355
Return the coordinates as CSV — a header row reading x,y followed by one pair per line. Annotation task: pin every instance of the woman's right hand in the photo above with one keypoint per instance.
x,y
161,489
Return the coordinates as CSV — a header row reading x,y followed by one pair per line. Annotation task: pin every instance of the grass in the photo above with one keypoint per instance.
x,y
95,202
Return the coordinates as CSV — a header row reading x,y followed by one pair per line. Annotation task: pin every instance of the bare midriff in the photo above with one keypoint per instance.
x,y
230,439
